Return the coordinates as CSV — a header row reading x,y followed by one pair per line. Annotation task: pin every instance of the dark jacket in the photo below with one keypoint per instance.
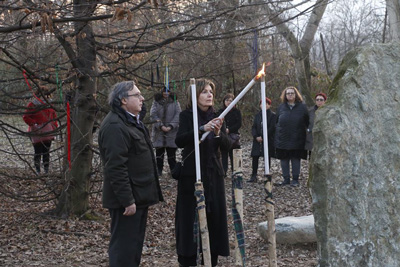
x,y
257,130
233,120
130,175
309,138
214,189
291,126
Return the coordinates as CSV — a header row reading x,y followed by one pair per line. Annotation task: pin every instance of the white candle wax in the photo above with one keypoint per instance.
x,y
265,126
195,129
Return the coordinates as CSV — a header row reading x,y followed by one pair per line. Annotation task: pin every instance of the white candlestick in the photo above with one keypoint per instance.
x,y
265,126
195,129
232,104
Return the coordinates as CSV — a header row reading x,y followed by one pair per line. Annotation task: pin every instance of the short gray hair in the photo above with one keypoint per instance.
x,y
119,91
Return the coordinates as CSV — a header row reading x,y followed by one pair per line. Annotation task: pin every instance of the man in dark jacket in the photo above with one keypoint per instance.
x,y
130,176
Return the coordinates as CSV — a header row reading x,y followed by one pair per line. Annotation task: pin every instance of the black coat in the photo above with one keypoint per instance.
x,y
214,189
291,126
130,174
257,130
233,120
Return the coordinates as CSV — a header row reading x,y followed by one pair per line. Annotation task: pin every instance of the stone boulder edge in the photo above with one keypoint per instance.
x,y
355,164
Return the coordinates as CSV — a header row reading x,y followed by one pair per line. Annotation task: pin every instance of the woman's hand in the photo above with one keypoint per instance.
x,y
214,125
259,139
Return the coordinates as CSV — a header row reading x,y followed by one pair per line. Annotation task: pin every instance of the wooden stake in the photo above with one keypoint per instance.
x,y
271,222
238,198
201,208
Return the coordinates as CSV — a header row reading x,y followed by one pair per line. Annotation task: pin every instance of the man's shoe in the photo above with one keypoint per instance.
x,y
286,181
253,179
295,183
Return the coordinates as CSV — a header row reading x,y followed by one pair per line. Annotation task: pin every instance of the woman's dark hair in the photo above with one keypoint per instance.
x,y
227,96
200,85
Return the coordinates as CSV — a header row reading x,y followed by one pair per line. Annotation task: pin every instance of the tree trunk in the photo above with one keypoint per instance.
x,y
393,10
301,49
75,196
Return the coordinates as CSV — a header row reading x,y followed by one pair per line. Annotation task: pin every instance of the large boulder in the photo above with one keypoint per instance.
x,y
291,230
355,165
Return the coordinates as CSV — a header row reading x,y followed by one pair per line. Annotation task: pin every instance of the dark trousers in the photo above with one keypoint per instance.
x,y
255,164
160,157
224,156
127,237
42,149
285,165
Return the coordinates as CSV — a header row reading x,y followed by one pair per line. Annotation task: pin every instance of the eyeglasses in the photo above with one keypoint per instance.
x,y
138,95
290,93
319,99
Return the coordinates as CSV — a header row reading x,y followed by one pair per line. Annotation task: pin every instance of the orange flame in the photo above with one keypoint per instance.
x,y
261,72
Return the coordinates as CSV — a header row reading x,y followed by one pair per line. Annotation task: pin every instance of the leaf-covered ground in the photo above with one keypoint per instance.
x,y
30,237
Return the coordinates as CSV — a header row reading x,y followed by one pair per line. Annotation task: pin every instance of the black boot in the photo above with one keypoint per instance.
x,y
295,181
286,181
253,178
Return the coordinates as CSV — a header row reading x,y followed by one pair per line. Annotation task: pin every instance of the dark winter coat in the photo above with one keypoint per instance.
x,y
164,112
291,126
233,120
40,120
257,130
212,177
309,138
130,174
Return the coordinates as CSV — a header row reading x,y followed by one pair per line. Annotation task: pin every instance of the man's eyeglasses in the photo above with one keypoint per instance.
x,y
319,99
138,95
290,93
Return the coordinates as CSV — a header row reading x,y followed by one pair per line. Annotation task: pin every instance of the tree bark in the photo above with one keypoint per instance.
x,y
301,49
393,10
75,196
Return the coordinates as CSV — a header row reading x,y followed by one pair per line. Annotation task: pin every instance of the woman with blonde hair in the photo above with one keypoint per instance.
x,y
290,136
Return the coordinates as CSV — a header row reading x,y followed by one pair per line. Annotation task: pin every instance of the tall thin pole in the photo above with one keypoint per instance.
x,y
199,190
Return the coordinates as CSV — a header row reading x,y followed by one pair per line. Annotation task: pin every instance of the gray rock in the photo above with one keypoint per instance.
x,y
291,230
355,165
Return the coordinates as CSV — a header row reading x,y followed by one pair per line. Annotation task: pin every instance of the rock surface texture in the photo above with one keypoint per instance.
x,y
355,165
291,230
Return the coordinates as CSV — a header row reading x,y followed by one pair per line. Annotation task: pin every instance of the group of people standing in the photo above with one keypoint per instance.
x,y
131,170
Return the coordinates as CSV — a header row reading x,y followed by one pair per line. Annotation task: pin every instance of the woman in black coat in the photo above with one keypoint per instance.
x,y
233,122
257,149
212,177
290,136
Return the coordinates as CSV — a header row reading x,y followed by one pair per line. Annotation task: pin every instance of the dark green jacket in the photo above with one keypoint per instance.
x,y
130,174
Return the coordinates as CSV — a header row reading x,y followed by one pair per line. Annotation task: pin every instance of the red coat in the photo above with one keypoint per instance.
x,y
40,121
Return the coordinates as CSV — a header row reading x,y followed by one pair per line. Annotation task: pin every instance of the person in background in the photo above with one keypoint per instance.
x,y
320,100
131,182
290,136
164,114
212,177
257,149
42,121
233,122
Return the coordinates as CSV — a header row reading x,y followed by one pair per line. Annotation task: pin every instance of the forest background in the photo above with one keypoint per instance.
x,y
78,49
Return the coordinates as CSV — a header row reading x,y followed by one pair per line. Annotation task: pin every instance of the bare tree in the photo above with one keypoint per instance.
x,y
301,48
393,10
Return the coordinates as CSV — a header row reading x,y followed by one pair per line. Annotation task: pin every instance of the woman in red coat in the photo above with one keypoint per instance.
x,y
41,119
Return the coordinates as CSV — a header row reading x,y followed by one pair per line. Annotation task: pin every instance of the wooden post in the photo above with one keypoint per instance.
x,y
237,187
201,208
271,222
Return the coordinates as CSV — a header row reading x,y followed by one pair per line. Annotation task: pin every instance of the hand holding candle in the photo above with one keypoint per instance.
x,y
260,74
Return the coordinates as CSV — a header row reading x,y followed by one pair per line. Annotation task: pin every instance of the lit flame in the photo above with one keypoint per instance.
x,y
261,72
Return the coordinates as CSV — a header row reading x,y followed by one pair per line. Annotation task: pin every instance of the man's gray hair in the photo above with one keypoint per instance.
x,y
119,91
